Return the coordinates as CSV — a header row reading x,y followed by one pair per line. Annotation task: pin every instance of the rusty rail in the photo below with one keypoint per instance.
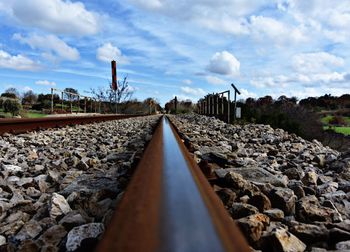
x,y
16,126
169,205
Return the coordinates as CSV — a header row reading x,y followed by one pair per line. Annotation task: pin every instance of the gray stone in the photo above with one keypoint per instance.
x,y
80,233
261,201
59,206
2,240
308,209
309,233
12,169
344,245
284,199
281,240
240,210
310,178
253,174
253,226
52,236
275,214
71,220
30,230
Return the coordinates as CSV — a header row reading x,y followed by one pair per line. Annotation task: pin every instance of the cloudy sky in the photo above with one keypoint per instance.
x,y
177,47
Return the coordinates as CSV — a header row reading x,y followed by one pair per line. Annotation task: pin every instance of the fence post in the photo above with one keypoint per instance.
x,y
51,100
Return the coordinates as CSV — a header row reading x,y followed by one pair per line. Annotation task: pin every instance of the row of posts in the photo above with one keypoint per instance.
x,y
97,103
216,105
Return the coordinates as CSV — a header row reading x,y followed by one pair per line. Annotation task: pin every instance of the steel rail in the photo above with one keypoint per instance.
x,y
21,125
169,205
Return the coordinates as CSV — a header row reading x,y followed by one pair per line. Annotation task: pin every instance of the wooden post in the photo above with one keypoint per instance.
x,y
84,104
217,104
78,104
51,100
228,108
62,100
70,100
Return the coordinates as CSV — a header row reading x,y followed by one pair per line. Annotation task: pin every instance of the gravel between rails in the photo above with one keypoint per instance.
x,y
58,187
285,193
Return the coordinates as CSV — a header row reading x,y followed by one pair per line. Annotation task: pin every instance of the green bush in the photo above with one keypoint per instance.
x,y
12,106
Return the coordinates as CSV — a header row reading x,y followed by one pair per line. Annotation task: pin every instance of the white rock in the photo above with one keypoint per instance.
x,y
59,206
13,169
2,240
78,234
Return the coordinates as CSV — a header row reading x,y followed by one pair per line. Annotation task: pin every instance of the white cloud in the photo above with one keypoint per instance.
x,y
45,83
187,82
275,31
215,80
51,45
107,52
316,62
193,91
226,16
148,4
246,94
57,16
17,62
27,88
312,79
224,63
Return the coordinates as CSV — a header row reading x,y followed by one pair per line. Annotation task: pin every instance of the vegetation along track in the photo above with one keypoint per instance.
x,y
169,205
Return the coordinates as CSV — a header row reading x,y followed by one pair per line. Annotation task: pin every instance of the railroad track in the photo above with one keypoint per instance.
x,y
16,126
169,205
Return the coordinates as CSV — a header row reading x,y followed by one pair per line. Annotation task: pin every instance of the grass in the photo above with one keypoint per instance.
x,y
34,115
341,130
345,130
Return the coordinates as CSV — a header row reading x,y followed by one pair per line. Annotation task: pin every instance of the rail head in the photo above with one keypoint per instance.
x,y
170,206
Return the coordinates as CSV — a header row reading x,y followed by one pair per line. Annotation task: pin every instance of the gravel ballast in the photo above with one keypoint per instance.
x,y
285,193
59,187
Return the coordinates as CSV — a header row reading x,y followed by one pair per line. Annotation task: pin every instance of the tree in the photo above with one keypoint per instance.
x,y
29,98
123,93
12,106
11,93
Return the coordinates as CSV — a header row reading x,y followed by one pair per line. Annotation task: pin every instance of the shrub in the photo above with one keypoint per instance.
x,y
12,106
337,120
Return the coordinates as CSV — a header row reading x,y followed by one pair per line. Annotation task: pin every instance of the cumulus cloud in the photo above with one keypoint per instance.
x,y
215,80
224,63
45,83
223,16
193,91
17,62
107,52
27,88
246,94
262,27
51,45
312,79
57,16
316,62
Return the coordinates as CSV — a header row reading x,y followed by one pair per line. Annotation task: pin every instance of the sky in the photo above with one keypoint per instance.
x,y
177,48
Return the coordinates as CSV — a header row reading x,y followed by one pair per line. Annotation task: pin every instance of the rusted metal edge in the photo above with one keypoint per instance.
x,y
135,224
138,223
22,125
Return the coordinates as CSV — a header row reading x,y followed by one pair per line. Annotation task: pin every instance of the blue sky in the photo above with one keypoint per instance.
x,y
177,47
